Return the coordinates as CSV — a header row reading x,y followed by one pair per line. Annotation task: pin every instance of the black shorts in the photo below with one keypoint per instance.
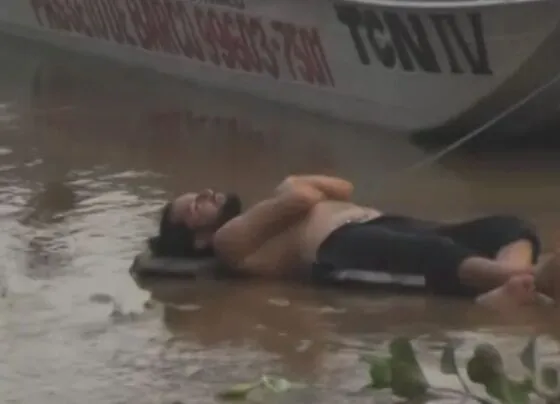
x,y
403,245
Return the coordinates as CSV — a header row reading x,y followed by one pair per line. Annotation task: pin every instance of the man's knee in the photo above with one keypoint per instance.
x,y
516,236
519,252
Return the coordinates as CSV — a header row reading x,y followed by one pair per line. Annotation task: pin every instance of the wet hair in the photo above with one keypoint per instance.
x,y
178,239
175,239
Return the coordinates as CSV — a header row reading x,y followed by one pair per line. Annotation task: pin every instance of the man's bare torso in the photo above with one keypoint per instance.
x,y
295,249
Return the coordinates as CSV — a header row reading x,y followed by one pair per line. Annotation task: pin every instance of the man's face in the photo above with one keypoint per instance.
x,y
206,209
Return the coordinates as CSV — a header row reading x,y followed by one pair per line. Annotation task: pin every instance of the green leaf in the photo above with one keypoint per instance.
x,y
549,377
481,400
485,364
527,356
278,384
380,372
486,368
238,391
401,350
528,383
407,378
448,364
407,382
517,392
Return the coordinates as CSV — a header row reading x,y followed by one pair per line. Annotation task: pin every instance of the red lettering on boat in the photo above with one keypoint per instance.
x,y
229,39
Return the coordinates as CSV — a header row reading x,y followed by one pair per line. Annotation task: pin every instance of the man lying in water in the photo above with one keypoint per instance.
x,y
310,226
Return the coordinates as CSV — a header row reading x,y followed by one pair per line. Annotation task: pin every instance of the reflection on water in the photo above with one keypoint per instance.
x,y
90,151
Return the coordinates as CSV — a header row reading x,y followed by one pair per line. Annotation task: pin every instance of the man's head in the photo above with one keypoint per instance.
x,y
188,223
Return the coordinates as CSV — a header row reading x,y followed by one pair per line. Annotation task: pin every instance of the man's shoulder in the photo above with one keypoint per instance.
x,y
227,240
228,232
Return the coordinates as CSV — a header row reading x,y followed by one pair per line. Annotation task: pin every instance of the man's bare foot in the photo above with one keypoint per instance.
x,y
518,291
547,276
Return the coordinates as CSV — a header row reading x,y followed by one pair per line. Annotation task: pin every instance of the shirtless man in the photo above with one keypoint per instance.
x,y
310,226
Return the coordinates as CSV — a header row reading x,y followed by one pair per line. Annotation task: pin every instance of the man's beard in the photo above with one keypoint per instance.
x,y
231,208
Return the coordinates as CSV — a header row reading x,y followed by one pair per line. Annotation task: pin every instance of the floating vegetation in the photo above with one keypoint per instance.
x,y
268,383
400,373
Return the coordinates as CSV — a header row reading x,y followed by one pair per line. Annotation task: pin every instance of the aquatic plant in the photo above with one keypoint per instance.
x,y
400,372
268,383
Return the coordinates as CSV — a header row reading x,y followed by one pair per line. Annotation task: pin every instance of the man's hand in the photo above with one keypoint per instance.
x,y
333,188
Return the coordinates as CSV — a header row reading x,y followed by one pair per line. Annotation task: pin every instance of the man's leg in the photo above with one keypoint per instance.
x,y
507,240
547,274
519,290
519,252
483,274
448,267
497,232
515,259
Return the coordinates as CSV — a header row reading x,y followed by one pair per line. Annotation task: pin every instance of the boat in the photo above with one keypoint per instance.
x,y
408,66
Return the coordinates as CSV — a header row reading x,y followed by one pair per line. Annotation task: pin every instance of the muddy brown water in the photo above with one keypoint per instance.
x,y
90,151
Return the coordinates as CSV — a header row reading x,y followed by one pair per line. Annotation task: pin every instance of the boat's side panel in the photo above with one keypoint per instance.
x,y
434,64
406,69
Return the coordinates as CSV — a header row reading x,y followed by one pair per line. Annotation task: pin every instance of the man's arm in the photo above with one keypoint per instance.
x,y
242,236
332,187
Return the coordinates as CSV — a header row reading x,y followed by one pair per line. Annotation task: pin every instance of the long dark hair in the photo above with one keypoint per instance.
x,y
175,239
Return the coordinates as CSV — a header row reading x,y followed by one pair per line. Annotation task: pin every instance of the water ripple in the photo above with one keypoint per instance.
x,y
89,154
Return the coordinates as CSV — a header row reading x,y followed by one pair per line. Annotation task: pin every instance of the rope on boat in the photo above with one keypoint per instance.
x,y
458,143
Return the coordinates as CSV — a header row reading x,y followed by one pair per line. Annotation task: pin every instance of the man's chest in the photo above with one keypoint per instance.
x,y
279,255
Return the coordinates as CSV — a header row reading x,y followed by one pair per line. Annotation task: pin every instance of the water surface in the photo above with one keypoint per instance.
x,y
89,153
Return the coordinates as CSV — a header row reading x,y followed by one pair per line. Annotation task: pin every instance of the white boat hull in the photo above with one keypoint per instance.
x,y
406,66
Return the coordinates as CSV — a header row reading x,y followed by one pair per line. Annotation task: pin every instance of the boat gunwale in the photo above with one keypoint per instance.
x,y
441,4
